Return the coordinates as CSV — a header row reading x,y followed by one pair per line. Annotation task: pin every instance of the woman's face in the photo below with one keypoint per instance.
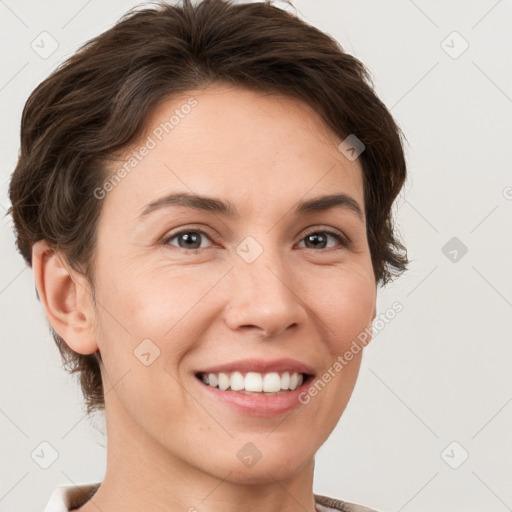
x,y
182,290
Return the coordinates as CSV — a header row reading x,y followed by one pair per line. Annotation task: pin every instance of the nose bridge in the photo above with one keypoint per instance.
x,y
263,294
261,263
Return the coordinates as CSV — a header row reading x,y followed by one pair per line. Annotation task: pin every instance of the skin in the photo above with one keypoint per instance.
x,y
171,447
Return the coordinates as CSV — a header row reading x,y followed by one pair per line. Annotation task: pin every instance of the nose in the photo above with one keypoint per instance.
x,y
262,297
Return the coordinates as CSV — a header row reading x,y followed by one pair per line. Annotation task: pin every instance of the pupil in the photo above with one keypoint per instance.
x,y
315,238
188,237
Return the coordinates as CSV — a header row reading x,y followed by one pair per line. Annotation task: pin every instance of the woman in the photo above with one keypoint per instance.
x,y
204,194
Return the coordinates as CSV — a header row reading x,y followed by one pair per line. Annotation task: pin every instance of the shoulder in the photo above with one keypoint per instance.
x,y
327,504
67,497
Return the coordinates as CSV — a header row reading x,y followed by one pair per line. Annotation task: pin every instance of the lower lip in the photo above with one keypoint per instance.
x,y
258,405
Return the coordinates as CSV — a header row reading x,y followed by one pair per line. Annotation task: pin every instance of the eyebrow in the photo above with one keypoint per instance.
x,y
228,209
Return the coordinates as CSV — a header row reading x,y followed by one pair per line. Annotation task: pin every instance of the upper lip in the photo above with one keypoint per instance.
x,y
260,366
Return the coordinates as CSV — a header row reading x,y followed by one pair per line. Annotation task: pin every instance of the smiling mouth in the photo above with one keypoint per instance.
x,y
255,383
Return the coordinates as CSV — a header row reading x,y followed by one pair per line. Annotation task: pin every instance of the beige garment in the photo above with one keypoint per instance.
x,y
68,497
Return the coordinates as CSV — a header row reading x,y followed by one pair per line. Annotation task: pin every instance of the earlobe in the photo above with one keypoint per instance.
x,y
64,298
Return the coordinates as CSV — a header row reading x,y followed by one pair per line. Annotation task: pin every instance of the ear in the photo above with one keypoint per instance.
x,y
66,298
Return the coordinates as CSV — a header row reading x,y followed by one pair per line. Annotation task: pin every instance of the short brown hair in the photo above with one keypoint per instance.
x,y
97,102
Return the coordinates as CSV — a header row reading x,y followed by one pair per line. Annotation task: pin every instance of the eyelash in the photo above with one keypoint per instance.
x,y
343,241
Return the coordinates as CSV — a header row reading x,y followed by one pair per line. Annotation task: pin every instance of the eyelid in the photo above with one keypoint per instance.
x,y
343,240
173,234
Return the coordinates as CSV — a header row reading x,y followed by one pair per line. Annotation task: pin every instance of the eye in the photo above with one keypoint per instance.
x,y
187,239
191,239
318,239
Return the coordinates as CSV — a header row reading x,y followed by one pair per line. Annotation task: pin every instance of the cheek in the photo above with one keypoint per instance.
x,y
141,328
149,302
345,306
166,307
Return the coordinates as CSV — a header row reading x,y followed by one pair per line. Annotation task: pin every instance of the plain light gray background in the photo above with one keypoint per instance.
x,y
435,384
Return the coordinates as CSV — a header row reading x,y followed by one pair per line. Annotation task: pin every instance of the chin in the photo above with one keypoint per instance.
x,y
262,462
263,472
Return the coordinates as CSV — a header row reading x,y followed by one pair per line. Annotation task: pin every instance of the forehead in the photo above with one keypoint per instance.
x,y
249,147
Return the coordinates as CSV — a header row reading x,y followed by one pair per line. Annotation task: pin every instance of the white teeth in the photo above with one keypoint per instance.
x,y
223,381
272,383
254,382
237,381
